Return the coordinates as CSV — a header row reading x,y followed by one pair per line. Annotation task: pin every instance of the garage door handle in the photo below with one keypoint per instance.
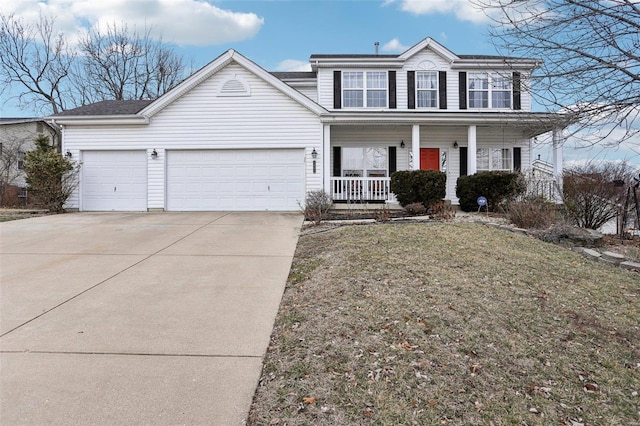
x,y
268,188
114,189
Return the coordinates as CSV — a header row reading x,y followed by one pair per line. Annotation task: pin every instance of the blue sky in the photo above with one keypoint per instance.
x,y
280,35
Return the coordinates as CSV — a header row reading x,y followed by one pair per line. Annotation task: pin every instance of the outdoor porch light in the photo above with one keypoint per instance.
x,y
455,144
314,154
68,154
402,144
154,154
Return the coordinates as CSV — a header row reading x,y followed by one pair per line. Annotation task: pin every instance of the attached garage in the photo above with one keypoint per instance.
x,y
227,179
114,181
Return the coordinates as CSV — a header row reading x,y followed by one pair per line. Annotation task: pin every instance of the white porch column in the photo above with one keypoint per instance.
x,y
558,141
414,159
326,158
472,164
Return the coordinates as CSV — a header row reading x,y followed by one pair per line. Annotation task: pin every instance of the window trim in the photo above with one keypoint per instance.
x,y
436,90
490,90
364,172
365,88
490,151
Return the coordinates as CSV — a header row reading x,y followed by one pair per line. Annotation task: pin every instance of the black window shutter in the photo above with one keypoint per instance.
x,y
517,89
337,89
392,160
463,161
462,89
337,161
442,89
517,158
411,82
392,89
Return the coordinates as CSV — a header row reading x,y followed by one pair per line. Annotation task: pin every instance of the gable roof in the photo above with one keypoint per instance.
x,y
398,60
217,64
139,111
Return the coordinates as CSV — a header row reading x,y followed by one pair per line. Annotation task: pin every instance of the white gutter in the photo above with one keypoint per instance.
x,y
103,120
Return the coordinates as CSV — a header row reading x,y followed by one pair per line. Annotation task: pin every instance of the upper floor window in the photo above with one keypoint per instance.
x,y
489,90
427,89
21,156
364,89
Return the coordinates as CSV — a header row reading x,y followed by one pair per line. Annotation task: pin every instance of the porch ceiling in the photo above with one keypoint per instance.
x,y
530,123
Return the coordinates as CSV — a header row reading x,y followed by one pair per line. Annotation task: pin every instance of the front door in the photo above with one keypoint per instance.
x,y
429,159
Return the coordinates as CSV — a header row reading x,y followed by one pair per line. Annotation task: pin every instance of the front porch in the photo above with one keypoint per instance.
x,y
359,158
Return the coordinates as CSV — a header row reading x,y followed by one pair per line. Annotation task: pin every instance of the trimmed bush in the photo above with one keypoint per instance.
x,y
419,186
496,187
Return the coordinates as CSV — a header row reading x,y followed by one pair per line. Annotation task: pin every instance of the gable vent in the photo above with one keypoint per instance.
x,y
234,86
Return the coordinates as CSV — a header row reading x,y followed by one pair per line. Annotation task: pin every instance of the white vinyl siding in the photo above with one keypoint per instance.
x,y
266,119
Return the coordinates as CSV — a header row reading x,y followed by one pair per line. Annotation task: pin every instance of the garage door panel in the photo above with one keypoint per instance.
x,y
114,180
235,179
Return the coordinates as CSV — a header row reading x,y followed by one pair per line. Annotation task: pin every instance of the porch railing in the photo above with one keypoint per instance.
x,y
546,188
361,189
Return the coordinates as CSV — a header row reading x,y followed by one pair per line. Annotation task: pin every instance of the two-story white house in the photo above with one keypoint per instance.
x,y
236,137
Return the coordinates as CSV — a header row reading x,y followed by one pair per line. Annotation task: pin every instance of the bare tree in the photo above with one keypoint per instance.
x,y
591,195
39,69
37,61
120,63
591,58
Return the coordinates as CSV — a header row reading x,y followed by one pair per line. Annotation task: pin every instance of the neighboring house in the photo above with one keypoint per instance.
x,y
17,137
236,137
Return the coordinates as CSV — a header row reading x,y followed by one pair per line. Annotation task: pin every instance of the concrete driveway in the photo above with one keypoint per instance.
x,y
138,318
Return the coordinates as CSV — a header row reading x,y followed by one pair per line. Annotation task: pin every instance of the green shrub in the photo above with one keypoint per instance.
x,y
419,186
496,187
51,177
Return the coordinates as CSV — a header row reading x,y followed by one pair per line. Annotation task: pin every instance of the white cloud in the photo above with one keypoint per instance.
x,y
394,45
184,22
464,10
293,65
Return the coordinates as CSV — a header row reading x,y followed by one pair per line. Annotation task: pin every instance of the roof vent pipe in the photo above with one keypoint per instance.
x,y
376,44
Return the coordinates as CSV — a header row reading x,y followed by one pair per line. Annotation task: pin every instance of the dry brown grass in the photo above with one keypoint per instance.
x,y
426,324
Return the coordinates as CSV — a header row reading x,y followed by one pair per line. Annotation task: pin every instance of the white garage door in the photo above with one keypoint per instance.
x,y
114,180
265,179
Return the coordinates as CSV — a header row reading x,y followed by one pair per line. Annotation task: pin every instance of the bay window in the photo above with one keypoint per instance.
x,y
364,89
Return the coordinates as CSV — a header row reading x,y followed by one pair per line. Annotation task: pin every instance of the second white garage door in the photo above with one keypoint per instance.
x,y
265,179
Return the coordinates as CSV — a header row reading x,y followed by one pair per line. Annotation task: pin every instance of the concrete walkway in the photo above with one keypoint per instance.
x,y
138,318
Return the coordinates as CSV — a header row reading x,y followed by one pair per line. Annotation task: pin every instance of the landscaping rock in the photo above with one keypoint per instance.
x,y
590,253
633,266
570,236
612,257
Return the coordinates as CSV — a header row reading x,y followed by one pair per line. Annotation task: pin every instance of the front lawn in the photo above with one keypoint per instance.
x,y
457,323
